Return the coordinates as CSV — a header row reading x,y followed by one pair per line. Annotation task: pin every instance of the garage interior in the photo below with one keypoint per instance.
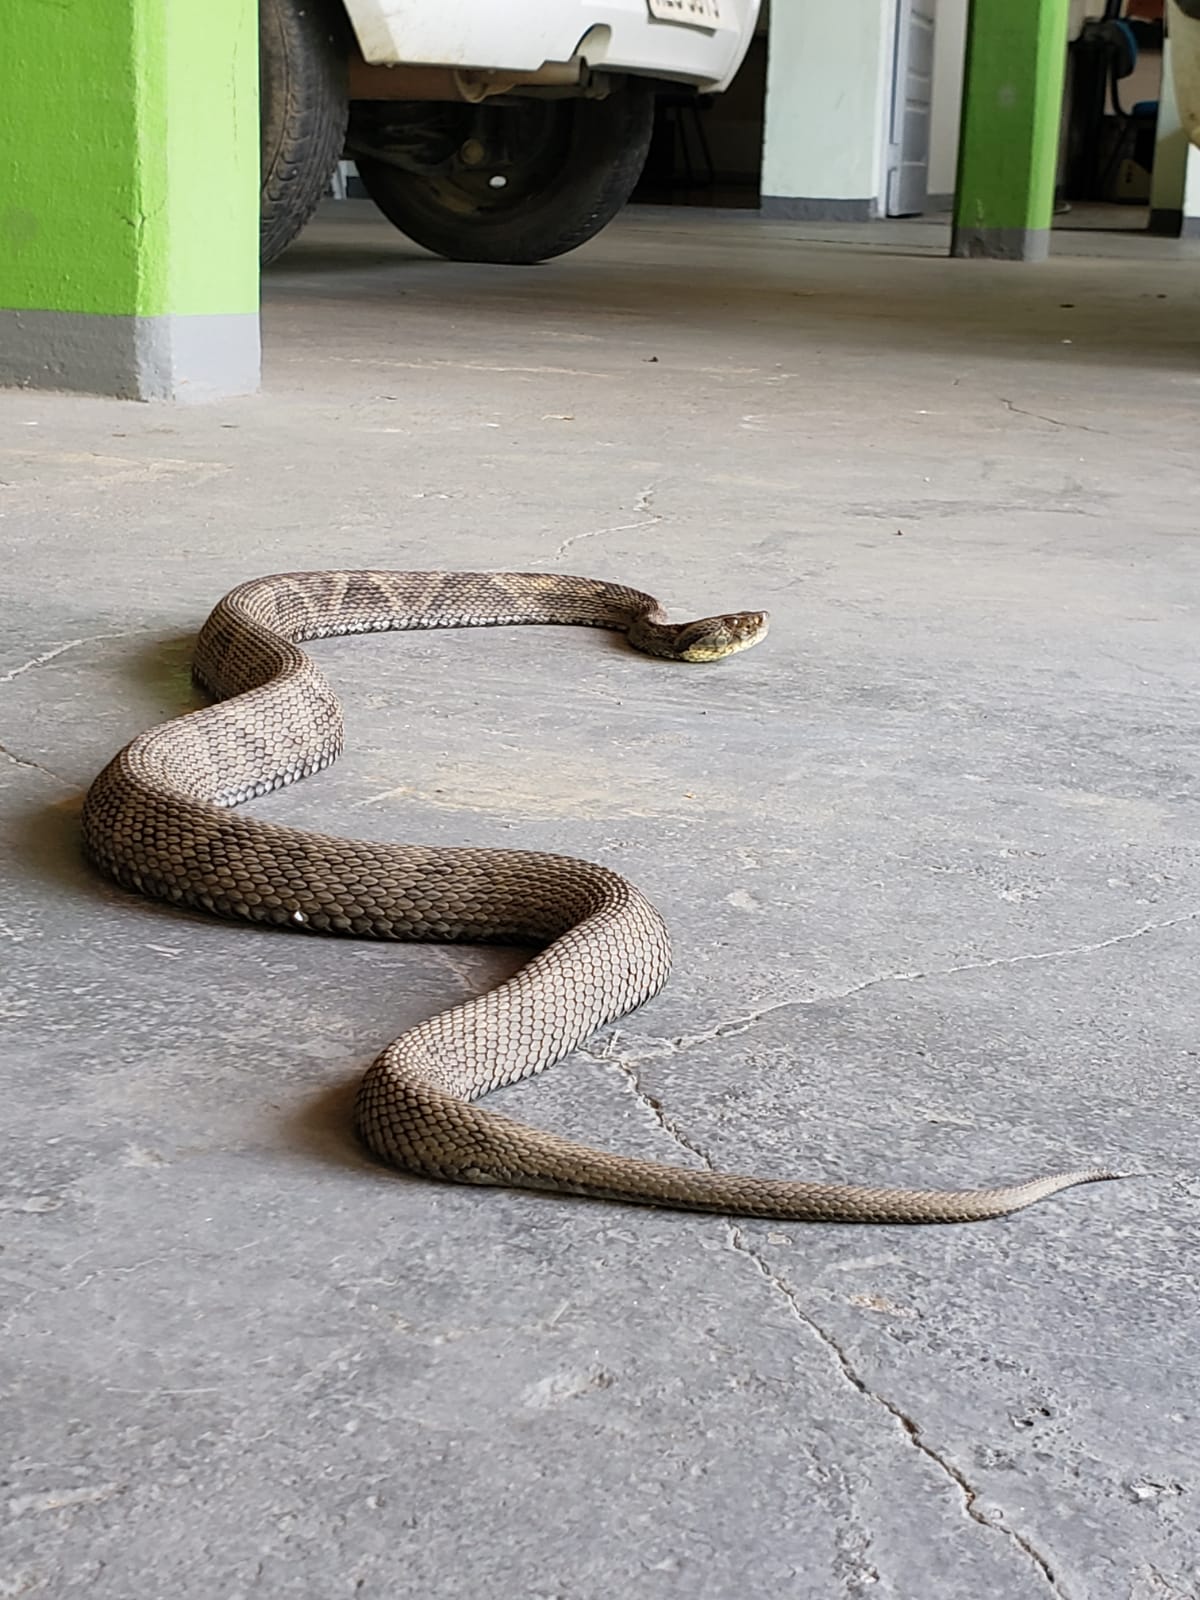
x,y
928,856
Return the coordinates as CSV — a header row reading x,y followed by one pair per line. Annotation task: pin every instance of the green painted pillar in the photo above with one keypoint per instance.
x,y
1008,146
129,161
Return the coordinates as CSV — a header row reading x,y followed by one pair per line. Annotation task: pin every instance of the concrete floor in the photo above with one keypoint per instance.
x,y
929,856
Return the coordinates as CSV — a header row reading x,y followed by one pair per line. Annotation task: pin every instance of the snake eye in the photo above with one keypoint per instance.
x,y
746,625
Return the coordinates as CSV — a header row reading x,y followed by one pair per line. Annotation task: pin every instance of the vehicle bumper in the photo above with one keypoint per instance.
x,y
524,35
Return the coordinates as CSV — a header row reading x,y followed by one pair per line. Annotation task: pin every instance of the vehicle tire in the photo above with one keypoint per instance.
x,y
302,84
567,165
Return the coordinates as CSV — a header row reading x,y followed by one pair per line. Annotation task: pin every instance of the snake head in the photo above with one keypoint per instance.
x,y
714,637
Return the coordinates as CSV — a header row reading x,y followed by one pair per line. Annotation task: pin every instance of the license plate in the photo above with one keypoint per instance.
x,y
692,13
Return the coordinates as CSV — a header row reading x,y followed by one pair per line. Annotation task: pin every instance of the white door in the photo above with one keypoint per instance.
x,y
907,162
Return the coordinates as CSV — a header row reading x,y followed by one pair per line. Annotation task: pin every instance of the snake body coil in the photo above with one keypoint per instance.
x,y
158,820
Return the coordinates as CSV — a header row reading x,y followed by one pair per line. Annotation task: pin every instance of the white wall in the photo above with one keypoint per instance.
x,y
828,91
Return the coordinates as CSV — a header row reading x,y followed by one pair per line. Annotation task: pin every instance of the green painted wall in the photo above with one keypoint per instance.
x,y
1012,100
129,156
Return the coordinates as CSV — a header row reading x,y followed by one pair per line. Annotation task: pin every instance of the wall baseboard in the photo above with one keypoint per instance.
x,y
790,208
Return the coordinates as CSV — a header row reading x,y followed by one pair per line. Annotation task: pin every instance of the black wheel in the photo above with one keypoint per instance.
x,y
514,182
302,84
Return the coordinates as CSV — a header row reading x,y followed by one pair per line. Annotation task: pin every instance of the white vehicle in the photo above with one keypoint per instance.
x,y
486,130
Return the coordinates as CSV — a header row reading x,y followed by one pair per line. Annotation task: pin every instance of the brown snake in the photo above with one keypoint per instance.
x,y
158,820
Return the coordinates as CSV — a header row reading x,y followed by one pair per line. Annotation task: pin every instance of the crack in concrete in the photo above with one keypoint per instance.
x,y
43,660
1079,427
596,533
40,661
61,650
907,1424
641,503
738,1025
34,766
738,1242
626,1066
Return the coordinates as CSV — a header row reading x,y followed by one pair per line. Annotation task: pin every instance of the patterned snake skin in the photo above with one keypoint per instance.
x,y
157,819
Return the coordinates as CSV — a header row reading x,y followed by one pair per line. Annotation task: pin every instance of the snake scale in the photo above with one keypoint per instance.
x,y
158,819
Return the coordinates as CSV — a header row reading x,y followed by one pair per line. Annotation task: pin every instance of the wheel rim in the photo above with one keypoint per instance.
x,y
485,161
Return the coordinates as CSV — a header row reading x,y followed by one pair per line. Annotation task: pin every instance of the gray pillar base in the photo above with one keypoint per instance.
x,y
1167,221
1001,244
185,358
1173,224
787,208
